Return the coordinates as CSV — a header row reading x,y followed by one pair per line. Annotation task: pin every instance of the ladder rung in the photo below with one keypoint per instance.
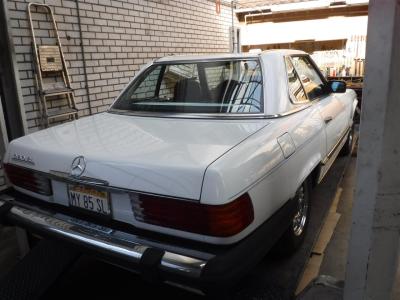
x,y
61,112
55,92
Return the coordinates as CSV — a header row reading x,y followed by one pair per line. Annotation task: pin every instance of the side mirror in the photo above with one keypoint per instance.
x,y
337,86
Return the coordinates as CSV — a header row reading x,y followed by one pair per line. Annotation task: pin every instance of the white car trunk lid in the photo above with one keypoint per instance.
x,y
166,156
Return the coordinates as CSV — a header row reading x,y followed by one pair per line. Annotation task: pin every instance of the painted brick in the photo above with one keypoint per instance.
x,y
119,37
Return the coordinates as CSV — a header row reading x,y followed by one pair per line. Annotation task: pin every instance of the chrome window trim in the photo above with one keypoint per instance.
x,y
290,94
290,112
220,116
204,60
322,77
299,105
191,116
298,108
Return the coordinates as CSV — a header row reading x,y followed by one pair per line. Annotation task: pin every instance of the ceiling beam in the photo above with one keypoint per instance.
x,y
258,16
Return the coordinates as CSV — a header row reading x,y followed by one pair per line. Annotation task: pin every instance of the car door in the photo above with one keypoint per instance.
x,y
332,108
299,98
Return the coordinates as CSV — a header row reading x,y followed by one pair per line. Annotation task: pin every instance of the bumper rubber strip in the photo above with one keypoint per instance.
x,y
149,264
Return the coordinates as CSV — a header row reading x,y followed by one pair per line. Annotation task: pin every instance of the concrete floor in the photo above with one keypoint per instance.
x,y
324,274
335,256
328,257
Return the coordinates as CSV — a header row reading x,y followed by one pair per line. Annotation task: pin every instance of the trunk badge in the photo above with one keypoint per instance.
x,y
78,166
22,158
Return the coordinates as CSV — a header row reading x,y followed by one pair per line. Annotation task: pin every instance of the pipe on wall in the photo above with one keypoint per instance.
x,y
83,57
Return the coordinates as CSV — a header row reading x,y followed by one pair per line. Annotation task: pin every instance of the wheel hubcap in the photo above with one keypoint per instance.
x,y
351,139
300,218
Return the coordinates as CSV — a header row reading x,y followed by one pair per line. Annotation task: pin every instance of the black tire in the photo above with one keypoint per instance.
x,y
348,146
294,235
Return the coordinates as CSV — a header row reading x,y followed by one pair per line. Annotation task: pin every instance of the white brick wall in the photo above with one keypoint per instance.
x,y
118,38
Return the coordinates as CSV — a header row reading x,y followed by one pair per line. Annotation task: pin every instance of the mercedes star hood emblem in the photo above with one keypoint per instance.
x,y
78,166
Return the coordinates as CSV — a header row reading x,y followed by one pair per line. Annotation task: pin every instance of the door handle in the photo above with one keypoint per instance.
x,y
328,119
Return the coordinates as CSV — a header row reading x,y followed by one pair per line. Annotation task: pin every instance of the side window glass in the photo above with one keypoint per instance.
x,y
295,87
147,89
312,82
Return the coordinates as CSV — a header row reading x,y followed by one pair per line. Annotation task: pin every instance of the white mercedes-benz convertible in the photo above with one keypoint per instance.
x,y
199,167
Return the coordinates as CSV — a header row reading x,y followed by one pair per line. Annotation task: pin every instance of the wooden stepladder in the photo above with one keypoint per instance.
x,y
51,73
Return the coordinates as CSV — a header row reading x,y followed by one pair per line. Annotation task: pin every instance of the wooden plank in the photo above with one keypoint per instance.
x,y
304,14
311,270
310,273
326,232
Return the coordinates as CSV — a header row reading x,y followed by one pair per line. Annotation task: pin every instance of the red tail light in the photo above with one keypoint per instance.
x,y
28,179
213,220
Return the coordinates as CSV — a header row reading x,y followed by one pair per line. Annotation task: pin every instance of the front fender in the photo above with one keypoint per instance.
x,y
354,103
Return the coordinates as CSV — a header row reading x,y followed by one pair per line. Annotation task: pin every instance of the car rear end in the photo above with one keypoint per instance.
x,y
193,265
127,185
167,238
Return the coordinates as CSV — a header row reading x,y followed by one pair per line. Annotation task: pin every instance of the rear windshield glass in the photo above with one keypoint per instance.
x,y
232,86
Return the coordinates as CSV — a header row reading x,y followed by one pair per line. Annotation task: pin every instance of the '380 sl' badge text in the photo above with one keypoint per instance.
x,y
22,158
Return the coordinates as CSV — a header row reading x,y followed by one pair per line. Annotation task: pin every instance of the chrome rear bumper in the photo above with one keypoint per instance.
x,y
109,242
198,268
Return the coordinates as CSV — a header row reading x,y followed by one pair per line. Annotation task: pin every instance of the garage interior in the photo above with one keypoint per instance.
x,y
352,247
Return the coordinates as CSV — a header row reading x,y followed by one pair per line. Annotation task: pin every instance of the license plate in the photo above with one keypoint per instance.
x,y
89,199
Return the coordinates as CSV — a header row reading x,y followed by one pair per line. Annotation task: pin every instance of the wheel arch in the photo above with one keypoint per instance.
x,y
311,171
